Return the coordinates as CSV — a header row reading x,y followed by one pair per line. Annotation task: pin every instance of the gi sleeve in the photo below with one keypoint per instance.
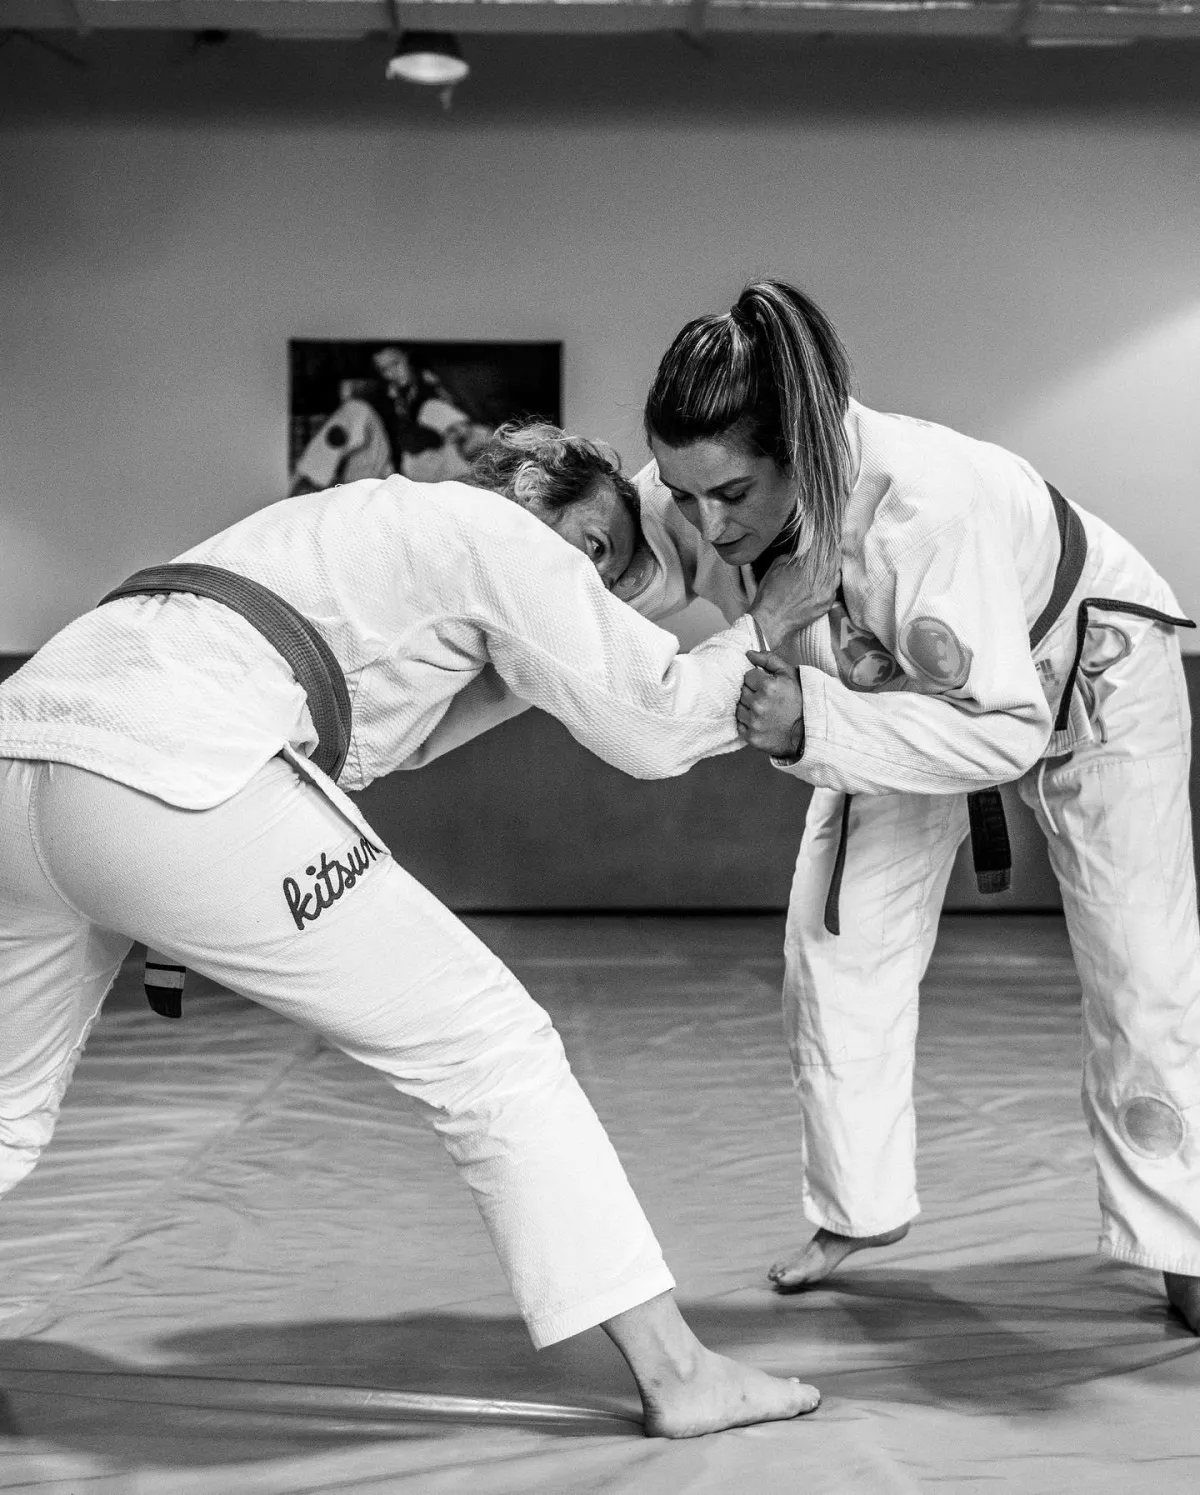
x,y
949,607
618,683
487,701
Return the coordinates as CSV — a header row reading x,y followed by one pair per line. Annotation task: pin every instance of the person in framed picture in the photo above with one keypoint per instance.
x,y
404,420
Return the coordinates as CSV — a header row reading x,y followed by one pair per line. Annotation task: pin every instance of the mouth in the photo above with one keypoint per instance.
x,y
722,546
637,576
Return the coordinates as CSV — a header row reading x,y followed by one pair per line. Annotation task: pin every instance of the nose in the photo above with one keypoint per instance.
x,y
713,520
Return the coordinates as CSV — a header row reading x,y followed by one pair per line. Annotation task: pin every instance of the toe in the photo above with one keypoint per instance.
x,y
791,1282
809,1398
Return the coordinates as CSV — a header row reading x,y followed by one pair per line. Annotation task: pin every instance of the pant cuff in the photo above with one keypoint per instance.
x,y
1156,1261
862,1225
549,1328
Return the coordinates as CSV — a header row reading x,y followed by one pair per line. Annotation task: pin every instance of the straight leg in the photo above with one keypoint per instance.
x,y
55,969
1120,841
850,1010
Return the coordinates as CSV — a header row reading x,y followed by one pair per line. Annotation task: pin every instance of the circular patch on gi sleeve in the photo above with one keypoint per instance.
x,y
872,669
1151,1127
935,651
1104,645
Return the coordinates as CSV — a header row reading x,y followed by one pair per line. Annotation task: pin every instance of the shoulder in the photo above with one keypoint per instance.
x,y
916,480
652,492
460,519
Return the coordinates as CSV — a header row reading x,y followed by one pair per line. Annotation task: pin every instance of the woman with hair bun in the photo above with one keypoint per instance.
x,y
979,629
172,767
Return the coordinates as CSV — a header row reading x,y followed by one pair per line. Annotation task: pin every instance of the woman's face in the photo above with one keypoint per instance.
x,y
601,526
739,502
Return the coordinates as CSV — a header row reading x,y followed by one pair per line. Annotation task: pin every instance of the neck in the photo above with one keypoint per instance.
x,y
784,544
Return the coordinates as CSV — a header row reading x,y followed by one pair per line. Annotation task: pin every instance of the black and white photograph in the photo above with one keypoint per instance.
x,y
599,807
361,409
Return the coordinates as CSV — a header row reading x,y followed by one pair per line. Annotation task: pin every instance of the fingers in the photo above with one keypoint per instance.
x,y
770,662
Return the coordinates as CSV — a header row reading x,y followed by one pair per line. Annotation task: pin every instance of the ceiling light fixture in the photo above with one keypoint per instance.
x,y
432,58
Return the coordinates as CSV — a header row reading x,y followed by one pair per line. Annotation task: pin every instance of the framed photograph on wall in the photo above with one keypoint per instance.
x,y
367,409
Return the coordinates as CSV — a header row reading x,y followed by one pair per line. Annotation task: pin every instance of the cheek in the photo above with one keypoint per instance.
x,y
773,510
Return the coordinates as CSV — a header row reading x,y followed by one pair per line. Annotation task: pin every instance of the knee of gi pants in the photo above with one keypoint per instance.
x,y
853,996
508,1078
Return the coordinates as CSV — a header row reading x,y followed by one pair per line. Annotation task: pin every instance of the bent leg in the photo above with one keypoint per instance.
x,y
1121,847
850,1011
283,894
55,970
278,896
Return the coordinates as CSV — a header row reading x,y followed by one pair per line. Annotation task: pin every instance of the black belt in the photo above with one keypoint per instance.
x,y
990,847
312,662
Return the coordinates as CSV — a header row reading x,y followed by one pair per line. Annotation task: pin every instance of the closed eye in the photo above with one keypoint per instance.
x,y
682,499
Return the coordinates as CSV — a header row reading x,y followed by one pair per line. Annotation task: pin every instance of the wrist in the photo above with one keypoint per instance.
x,y
795,748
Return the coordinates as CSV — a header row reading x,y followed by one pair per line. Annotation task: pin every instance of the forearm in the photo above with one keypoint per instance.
x,y
905,742
652,712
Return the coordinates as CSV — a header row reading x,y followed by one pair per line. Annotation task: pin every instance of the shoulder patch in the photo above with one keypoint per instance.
x,y
935,651
863,663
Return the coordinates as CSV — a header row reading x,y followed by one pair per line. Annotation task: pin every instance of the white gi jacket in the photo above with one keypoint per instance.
x,y
949,549
422,591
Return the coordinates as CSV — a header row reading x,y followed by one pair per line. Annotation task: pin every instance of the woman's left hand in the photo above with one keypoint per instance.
x,y
791,596
770,711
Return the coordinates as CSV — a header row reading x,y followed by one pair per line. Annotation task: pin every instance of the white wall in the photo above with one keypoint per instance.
x,y
1029,275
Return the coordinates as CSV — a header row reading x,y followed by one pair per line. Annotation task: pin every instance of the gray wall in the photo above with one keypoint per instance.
x,y
1008,241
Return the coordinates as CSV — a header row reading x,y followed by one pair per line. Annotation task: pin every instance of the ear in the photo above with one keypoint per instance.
x,y
527,486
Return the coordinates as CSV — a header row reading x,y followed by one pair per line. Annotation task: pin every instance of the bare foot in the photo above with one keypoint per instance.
x,y
720,1393
1184,1296
823,1254
687,1389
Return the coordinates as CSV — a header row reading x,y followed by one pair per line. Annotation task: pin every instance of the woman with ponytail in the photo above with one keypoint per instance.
x,y
937,620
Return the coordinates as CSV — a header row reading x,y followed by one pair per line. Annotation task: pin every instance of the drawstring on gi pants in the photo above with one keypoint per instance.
x,y
1041,788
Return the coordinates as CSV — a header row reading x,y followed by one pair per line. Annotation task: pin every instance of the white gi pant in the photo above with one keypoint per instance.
x,y
1121,848
248,894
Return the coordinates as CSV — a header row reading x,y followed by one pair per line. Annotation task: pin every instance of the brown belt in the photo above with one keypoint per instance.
x,y
312,662
990,849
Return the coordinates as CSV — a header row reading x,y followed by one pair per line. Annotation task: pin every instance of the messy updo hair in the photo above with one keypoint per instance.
x,y
772,378
556,469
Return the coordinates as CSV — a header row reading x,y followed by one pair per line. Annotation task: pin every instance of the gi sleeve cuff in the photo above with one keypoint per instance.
x,y
812,731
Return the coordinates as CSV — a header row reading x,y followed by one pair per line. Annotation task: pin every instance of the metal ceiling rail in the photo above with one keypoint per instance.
x,y
1096,22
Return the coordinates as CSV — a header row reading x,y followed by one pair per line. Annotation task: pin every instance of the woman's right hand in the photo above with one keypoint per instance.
x,y
790,598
